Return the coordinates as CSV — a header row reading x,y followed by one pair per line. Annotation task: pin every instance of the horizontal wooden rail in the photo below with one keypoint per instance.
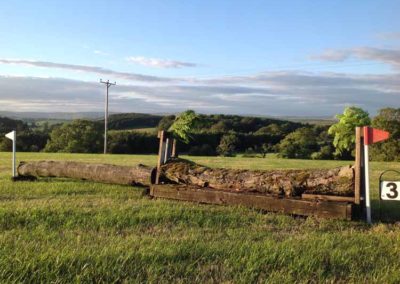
x,y
325,209
327,197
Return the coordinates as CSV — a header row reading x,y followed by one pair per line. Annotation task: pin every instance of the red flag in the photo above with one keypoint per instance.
x,y
373,135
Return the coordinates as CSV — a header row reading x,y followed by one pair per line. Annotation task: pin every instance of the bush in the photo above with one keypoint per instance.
x,y
126,142
299,144
79,136
344,130
325,153
387,119
228,145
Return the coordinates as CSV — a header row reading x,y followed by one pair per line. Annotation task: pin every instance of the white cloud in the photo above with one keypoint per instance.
x,y
270,93
159,63
99,52
389,36
332,55
85,68
387,56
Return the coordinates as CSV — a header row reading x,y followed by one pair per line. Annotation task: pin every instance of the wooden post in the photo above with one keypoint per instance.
x,y
167,150
170,146
161,135
174,152
359,167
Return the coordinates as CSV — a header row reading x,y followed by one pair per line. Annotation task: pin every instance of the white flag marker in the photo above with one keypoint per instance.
x,y
13,137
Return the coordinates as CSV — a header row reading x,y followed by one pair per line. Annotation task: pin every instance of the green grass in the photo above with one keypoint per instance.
x,y
151,130
63,231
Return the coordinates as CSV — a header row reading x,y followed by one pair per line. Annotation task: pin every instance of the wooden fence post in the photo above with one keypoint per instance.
x,y
166,152
160,160
174,153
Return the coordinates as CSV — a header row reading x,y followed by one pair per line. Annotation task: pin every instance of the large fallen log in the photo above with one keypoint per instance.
x,y
290,183
137,175
337,181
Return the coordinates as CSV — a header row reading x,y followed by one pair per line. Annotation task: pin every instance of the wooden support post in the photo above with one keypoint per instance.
x,y
167,149
170,146
359,167
161,135
174,153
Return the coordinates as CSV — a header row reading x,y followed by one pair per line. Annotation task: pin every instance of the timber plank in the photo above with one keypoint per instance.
x,y
326,209
327,197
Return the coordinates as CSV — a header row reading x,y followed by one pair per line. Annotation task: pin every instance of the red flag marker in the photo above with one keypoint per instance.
x,y
373,135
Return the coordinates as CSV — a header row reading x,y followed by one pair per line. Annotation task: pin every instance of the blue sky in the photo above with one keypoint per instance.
x,y
247,57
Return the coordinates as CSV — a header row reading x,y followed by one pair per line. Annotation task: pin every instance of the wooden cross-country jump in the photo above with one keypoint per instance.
x,y
326,206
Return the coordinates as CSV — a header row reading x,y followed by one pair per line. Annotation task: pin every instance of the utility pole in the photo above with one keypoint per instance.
x,y
108,85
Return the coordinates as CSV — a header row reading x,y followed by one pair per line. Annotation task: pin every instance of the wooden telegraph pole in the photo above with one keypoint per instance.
x,y
108,85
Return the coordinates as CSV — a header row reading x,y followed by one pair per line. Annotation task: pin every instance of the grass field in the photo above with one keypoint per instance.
x,y
63,231
151,130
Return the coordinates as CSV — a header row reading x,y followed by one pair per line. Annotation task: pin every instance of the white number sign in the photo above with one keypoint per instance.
x,y
390,190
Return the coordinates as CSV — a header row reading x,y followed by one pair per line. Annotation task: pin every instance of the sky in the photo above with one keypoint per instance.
x,y
268,58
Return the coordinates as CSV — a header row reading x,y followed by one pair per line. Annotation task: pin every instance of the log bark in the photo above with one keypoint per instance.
x,y
290,183
125,175
337,181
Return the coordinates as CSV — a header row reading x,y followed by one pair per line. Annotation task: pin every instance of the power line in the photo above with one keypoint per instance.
x,y
108,85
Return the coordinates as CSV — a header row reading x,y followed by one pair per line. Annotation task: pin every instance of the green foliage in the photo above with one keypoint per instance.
x,y
8,125
79,136
307,143
272,129
184,125
387,119
129,142
325,153
228,145
123,121
222,126
28,140
344,130
166,122
299,144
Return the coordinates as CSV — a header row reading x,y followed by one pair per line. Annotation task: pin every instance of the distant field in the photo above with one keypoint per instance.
x,y
141,130
63,231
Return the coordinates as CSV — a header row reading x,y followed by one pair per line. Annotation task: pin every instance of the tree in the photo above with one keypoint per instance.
x,y
8,125
344,130
387,119
222,126
79,136
299,144
166,122
272,129
228,144
265,148
184,125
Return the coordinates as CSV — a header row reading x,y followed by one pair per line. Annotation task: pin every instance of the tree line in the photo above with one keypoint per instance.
x,y
209,135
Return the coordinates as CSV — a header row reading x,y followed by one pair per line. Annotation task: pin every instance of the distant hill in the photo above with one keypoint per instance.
x,y
31,116
122,121
130,121
317,120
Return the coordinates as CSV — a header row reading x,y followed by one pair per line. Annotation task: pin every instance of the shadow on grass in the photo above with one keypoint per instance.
x,y
385,211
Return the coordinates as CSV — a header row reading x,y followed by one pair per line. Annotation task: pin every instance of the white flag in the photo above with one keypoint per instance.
x,y
11,135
